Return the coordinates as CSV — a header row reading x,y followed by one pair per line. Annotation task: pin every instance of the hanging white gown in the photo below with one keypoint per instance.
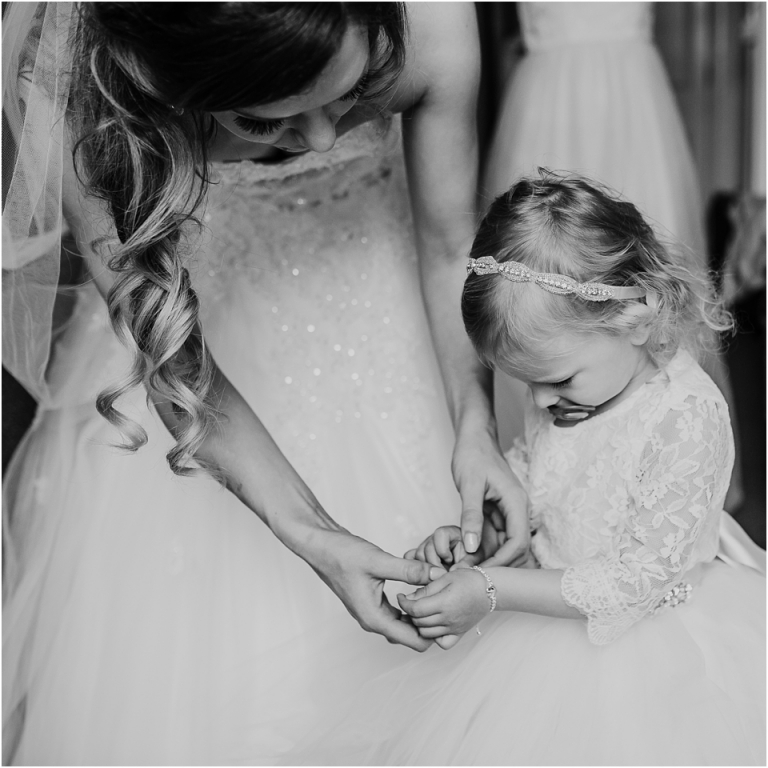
x,y
592,96
145,613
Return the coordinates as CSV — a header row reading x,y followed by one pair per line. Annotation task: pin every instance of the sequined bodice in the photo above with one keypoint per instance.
x,y
309,290
552,25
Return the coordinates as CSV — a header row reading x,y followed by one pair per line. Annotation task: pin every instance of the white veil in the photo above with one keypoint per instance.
x,y
36,82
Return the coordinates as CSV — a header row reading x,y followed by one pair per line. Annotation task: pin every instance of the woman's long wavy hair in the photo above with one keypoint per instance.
x,y
145,77
571,226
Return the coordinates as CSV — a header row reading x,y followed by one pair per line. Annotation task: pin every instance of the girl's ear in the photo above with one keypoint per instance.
x,y
639,317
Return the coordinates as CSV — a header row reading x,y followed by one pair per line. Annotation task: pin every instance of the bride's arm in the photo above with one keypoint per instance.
x,y
439,94
262,478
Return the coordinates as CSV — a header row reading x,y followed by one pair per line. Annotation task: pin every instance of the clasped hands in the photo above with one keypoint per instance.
x,y
494,532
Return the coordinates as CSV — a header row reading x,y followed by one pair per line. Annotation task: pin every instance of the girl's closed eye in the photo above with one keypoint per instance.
x,y
258,127
561,384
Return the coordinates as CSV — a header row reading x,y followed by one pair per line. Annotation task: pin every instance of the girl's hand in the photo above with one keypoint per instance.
x,y
444,548
450,605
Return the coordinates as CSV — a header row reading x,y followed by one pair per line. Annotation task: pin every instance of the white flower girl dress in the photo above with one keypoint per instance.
x,y
668,667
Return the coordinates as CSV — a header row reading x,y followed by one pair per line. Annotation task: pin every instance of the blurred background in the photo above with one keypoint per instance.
x,y
713,54
712,66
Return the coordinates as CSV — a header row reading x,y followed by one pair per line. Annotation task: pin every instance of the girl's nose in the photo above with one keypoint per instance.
x,y
318,130
544,397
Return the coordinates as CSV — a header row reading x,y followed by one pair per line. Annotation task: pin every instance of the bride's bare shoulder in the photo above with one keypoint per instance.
x,y
442,51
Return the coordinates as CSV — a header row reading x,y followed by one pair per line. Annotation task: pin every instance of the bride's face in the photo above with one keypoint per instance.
x,y
308,120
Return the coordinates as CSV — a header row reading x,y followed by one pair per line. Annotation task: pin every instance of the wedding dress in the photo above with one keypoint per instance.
x,y
146,614
668,665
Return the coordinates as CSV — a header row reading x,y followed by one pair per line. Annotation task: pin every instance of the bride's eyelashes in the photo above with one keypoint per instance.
x,y
358,90
258,127
266,127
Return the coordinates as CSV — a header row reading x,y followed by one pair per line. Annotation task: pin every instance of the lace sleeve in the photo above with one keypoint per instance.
x,y
680,485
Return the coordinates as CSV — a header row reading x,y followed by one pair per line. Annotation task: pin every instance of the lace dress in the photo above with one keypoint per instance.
x,y
146,615
668,667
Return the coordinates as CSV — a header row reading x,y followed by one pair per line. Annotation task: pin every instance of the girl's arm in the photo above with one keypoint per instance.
x,y
681,482
458,601
263,479
438,93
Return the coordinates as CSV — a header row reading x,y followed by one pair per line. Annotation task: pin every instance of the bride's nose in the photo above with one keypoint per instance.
x,y
318,130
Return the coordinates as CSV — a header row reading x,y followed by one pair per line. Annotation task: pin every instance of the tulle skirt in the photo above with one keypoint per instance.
x,y
683,687
145,613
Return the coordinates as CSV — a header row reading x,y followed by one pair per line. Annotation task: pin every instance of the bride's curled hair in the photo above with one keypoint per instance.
x,y
145,78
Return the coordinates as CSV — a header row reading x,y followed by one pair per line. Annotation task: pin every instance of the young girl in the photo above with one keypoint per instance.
x,y
627,641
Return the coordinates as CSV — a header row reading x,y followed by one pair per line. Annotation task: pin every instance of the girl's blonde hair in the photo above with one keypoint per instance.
x,y
570,226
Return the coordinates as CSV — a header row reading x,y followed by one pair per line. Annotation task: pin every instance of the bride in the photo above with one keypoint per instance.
x,y
235,177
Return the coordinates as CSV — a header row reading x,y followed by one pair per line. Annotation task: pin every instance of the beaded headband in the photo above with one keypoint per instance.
x,y
560,284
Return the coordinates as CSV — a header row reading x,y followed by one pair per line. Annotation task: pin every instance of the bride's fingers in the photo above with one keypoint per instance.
x,y
432,633
388,622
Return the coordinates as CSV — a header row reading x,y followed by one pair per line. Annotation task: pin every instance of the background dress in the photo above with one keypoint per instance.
x,y
629,504
592,96
145,613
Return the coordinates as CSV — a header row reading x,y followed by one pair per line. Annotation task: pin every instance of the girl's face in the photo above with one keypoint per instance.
x,y
596,370
308,120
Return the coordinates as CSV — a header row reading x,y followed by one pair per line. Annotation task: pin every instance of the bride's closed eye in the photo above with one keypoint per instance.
x,y
258,127
358,90
266,127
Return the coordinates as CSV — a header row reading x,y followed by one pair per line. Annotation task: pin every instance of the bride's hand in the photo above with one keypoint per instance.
x,y
356,571
489,488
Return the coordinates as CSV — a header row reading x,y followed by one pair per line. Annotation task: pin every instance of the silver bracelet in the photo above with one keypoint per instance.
x,y
490,590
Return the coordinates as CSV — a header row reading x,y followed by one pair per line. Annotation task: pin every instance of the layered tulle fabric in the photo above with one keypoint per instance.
x,y
145,614
628,504
592,96
684,687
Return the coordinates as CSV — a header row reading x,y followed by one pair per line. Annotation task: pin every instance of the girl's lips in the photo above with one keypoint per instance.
x,y
571,412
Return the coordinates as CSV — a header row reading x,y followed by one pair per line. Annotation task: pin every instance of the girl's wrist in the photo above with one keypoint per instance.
x,y
489,588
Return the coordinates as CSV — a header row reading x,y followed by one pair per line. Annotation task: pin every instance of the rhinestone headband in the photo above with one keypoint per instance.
x,y
560,284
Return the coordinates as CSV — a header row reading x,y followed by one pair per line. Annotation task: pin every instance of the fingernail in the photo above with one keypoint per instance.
x,y
470,542
435,573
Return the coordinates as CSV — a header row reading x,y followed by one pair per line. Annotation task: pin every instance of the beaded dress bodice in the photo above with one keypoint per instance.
x,y
309,265
629,501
